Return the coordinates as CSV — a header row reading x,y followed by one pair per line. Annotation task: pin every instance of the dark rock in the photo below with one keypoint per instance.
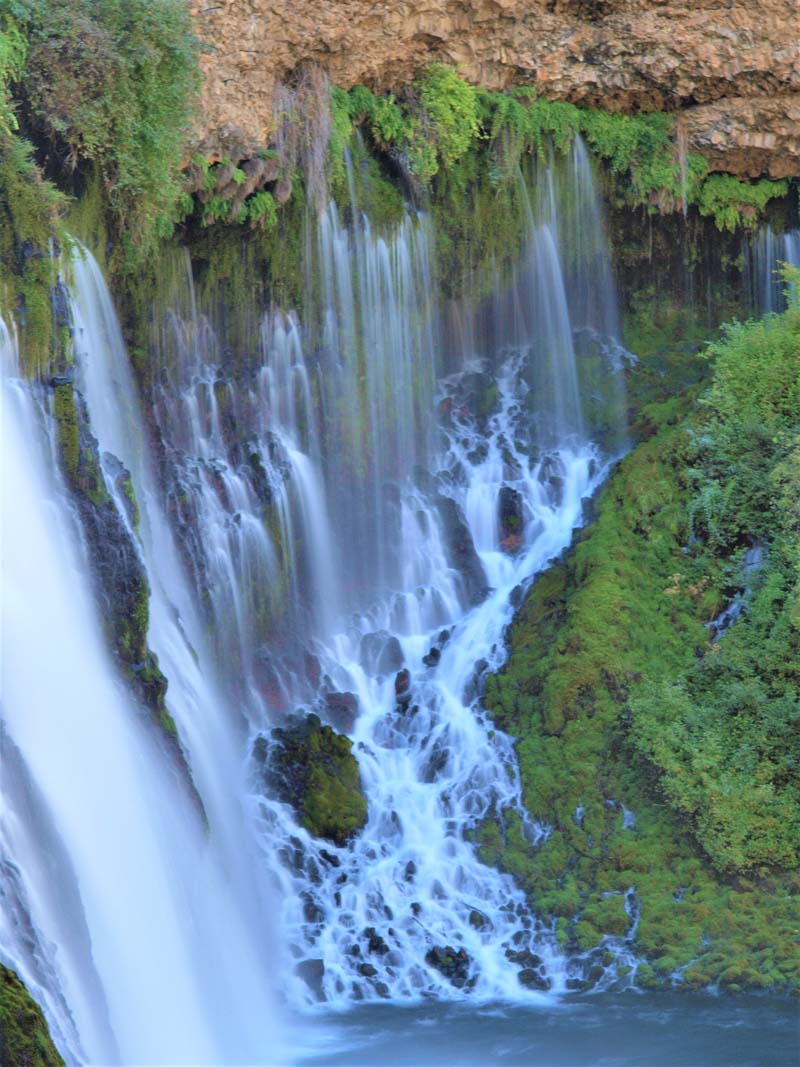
x,y
67,378
367,970
375,942
461,550
410,871
452,963
402,687
334,861
526,958
312,912
313,670
511,516
479,921
382,989
312,972
436,762
282,190
342,710
577,985
380,653
313,769
432,658
551,475
531,979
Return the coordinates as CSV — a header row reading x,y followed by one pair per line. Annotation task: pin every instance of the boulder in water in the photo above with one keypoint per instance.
x,y
510,513
312,972
452,963
402,687
461,549
312,768
342,710
531,979
380,653
433,657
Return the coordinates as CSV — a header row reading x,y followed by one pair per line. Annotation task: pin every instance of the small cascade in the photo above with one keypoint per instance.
x,y
408,909
763,255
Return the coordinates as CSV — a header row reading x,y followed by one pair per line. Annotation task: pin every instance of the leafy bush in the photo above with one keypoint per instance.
x,y
443,121
114,82
720,734
733,203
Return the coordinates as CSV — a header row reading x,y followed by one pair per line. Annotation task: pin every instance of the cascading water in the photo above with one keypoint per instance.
x,y
119,911
343,505
317,468
763,256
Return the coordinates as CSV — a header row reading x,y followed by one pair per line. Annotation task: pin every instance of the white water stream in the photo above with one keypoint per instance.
x,y
118,907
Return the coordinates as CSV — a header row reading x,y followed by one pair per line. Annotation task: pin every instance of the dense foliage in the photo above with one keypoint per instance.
x,y
721,733
112,84
442,120
622,697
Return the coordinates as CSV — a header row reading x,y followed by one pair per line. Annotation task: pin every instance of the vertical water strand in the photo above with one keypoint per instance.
x,y
592,300
553,375
763,255
377,372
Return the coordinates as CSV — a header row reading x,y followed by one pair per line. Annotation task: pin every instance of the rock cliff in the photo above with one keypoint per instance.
x,y
732,67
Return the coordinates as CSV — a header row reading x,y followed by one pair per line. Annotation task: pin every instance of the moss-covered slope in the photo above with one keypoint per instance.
x,y
24,1037
661,753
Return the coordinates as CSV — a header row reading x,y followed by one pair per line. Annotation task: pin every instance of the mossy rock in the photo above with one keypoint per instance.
x,y
312,768
24,1037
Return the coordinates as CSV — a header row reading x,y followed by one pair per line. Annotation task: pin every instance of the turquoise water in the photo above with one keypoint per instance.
x,y
628,1030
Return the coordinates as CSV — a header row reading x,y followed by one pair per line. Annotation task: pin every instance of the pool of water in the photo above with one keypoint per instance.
x,y
628,1030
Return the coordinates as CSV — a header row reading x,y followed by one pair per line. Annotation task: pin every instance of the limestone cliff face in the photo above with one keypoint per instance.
x,y
733,66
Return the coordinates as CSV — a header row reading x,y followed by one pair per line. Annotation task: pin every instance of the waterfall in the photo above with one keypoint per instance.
x,y
355,494
763,255
133,929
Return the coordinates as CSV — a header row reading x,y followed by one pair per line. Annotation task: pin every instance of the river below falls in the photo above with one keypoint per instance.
x,y
607,1030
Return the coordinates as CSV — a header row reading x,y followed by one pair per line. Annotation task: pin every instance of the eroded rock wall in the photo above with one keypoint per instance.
x,y
733,66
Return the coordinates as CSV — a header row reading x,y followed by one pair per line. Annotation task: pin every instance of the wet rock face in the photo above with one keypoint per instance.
x,y
461,550
312,768
116,564
721,63
342,710
512,519
380,653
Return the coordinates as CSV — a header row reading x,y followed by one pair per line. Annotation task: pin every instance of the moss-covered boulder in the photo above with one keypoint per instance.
x,y
24,1038
312,768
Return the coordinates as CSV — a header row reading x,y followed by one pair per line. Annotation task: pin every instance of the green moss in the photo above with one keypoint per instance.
x,y
115,83
313,769
610,662
68,430
24,1038
734,204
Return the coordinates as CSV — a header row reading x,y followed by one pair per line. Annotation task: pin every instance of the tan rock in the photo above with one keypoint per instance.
x,y
732,66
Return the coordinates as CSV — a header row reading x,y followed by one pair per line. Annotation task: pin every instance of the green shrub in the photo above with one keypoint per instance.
x,y
733,203
114,82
